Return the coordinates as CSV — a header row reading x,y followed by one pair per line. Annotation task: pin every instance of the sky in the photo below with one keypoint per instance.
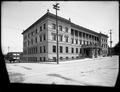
x,y
16,16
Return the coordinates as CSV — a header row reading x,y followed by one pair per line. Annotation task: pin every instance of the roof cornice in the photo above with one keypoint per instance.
x,y
50,15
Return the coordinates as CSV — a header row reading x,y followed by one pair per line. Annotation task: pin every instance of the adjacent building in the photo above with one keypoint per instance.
x,y
39,40
12,56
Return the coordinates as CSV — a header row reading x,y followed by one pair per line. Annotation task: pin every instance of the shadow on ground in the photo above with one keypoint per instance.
x,y
16,77
69,79
24,67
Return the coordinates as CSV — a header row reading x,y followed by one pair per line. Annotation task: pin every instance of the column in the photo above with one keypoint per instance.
x,y
93,53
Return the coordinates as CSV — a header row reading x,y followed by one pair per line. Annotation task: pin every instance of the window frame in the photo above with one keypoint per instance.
x,y
44,26
54,48
61,49
66,49
60,28
66,29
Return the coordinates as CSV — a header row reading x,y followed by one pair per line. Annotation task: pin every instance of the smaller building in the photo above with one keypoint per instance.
x,y
14,56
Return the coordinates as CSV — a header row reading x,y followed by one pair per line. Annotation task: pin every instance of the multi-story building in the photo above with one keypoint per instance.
x,y
39,40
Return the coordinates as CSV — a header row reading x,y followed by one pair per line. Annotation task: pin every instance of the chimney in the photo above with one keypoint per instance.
x,y
69,19
47,10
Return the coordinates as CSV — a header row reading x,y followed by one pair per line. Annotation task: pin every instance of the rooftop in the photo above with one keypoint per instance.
x,y
50,15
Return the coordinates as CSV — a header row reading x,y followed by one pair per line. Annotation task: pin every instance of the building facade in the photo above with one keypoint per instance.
x,y
39,40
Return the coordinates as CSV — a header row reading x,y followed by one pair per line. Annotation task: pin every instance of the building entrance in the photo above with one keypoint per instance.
x,y
91,51
87,52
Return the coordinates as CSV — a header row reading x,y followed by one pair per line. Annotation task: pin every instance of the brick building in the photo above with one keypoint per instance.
x,y
39,40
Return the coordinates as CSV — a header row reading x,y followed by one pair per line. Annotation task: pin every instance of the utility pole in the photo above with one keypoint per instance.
x,y
110,43
56,7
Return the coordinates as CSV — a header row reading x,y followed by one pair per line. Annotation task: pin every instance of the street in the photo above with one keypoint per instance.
x,y
102,71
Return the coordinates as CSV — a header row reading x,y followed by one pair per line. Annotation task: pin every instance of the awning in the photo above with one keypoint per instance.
x,y
91,46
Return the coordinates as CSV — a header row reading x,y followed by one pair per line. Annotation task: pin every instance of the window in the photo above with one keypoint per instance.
x,y
90,36
44,59
54,58
66,49
40,59
80,34
84,42
66,38
76,41
32,41
17,54
83,35
44,49
72,40
90,43
87,36
61,49
80,42
66,29
25,37
24,51
54,37
87,42
72,32
14,54
36,39
80,51
40,49
25,44
53,26
44,26
95,38
72,50
36,31
40,28
66,57
29,50
60,28
61,58
29,35
33,33
76,50
36,49
102,45
44,37
60,38
76,33
33,50
40,38
54,48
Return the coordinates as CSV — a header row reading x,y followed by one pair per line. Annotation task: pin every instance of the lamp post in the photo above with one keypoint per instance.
x,y
56,7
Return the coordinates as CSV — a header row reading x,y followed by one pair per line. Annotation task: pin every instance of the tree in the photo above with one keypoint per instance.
x,y
8,57
116,49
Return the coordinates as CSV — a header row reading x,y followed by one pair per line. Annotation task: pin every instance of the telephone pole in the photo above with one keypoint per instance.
x,y
110,43
56,7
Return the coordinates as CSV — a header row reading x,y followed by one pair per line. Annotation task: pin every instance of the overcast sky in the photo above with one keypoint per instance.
x,y
99,16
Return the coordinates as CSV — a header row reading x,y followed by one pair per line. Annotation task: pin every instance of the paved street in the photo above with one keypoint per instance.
x,y
100,71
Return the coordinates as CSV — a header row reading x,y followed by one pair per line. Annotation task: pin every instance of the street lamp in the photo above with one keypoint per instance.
x,y
56,7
